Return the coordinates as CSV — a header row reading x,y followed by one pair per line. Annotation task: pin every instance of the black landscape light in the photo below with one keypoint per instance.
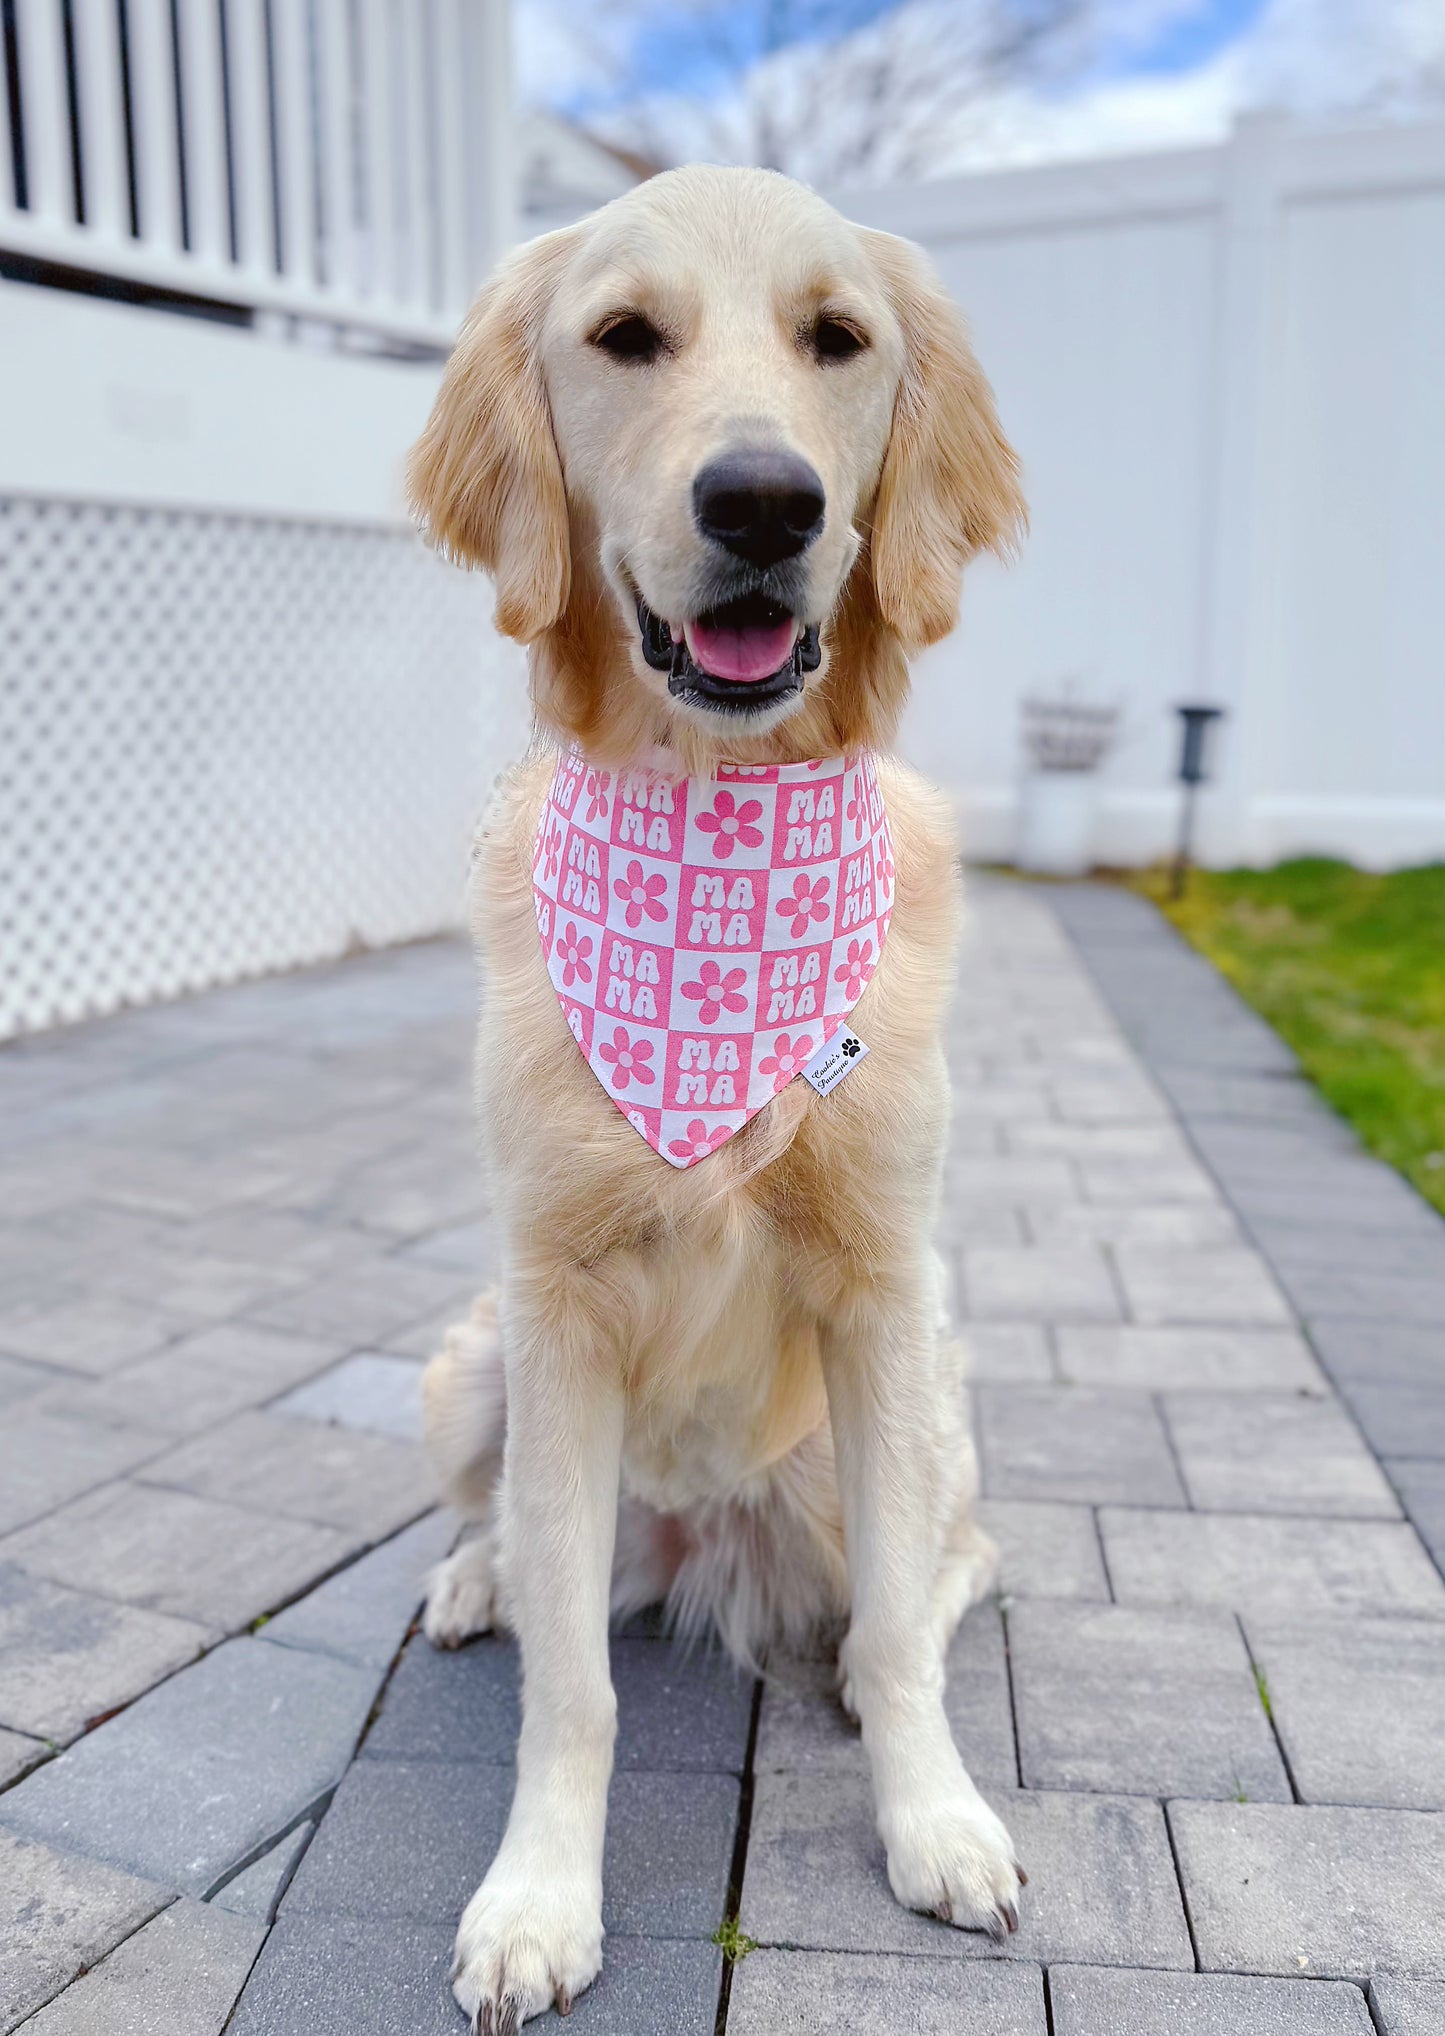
x,y
1192,774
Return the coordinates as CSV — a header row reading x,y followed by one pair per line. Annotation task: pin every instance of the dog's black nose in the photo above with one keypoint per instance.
x,y
765,506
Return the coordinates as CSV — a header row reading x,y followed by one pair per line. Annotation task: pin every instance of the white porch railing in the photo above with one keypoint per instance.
x,y
340,160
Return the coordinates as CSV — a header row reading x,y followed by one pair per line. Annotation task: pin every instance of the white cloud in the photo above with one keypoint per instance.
x,y
937,107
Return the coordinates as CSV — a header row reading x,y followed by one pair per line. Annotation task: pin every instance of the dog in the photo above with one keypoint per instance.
x,y
724,455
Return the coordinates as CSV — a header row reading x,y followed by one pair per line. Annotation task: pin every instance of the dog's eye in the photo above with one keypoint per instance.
x,y
836,339
629,337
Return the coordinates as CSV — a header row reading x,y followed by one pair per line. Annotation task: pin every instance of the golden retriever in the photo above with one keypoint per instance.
x,y
713,412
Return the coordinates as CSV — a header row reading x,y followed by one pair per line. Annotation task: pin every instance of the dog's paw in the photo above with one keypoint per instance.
x,y
526,1942
954,1860
461,1597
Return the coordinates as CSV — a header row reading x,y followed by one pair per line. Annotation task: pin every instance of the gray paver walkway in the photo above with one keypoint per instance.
x,y
1209,1375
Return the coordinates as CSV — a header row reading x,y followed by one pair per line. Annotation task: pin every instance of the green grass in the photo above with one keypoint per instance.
x,y
734,1942
1350,968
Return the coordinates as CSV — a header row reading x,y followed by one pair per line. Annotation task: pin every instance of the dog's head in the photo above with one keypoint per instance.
x,y
679,434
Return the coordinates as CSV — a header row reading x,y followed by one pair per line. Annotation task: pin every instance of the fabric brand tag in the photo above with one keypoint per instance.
x,y
831,1062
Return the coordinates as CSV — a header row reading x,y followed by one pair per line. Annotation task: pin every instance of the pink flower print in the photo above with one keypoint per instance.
x,y
858,807
715,992
628,1059
855,971
883,869
552,847
641,894
732,824
574,949
806,901
697,1141
597,783
786,1059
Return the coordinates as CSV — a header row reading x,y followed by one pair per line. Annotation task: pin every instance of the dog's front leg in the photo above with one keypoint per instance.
x,y
947,1852
532,1933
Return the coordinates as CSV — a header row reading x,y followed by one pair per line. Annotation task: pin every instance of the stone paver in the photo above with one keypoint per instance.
x,y
173,1552
363,1303
1093,2001
1267,1563
675,1709
1341,1893
67,1657
94,1335
1267,1452
1169,1256
197,1381
1378,1353
1067,1442
1195,1225
335,1476
1009,1353
363,1612
1421,1486
1147,1701
257,1889
989,1184
816,1993
1046,1550
1360,1707
1165,1285
1101,1887
403,1841
803,1729
1070,1282
20,1380
205,1769
1408,2007
333,1976
409,1840
1385,1295
1155,1144
1138,1180
46,1459
1402,1420
179,1976
19,1752
1188,1360
371,1391
58,1915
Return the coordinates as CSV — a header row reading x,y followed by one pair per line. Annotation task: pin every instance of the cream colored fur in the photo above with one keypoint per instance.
x,y
730,1387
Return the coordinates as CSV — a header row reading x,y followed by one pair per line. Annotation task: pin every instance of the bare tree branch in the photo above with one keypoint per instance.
x,y
876,102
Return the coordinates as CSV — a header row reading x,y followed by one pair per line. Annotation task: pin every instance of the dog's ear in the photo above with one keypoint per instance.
x,y
484,475
950,480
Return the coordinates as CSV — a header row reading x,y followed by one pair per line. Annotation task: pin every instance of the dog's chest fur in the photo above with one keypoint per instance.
x,y
708,1284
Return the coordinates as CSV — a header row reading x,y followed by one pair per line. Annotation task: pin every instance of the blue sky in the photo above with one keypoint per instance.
x,y
1190,38
703,53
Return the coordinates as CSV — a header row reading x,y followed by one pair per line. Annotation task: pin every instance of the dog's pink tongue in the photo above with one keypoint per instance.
x,y
742,654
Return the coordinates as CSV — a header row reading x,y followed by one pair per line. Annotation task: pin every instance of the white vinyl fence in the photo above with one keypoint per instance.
x,y
1225,372
246,719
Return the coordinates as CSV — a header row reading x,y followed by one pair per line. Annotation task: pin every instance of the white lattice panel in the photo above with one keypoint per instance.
x,y
228,746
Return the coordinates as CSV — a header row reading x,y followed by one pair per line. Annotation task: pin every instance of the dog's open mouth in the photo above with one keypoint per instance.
x,y
745,655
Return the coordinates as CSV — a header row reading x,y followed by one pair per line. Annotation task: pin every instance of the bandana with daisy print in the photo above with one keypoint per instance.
x,y
706,937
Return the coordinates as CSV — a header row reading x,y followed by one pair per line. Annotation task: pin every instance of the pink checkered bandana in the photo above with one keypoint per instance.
x,y
706,937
